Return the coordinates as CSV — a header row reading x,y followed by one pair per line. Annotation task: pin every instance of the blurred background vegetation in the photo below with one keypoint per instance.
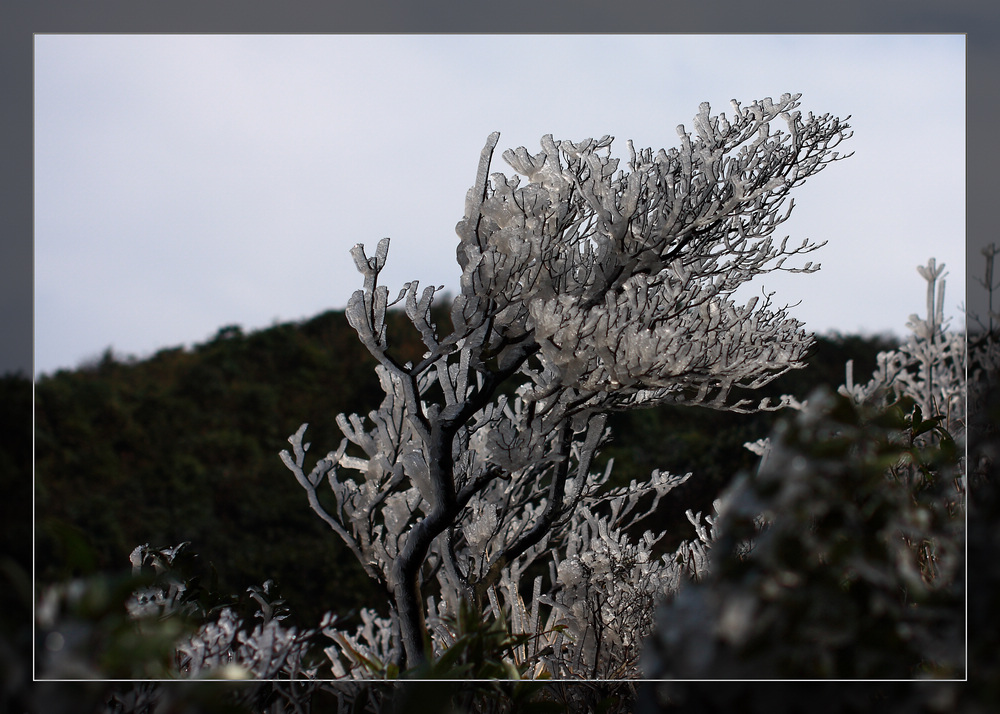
x,y
183,446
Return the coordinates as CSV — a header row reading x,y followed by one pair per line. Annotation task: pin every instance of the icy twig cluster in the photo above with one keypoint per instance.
x,y
930,366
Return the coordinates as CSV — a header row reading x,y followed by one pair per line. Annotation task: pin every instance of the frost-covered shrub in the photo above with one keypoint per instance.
x,y
585,289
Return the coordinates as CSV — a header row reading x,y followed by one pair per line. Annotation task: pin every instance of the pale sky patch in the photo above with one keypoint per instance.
x,y
183,183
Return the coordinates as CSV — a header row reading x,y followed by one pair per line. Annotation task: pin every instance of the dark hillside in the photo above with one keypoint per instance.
x,y
184,447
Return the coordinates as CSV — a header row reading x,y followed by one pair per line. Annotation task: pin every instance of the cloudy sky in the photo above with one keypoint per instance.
x,y
186,182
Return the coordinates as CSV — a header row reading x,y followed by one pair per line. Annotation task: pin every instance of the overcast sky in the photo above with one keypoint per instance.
x,y
186,182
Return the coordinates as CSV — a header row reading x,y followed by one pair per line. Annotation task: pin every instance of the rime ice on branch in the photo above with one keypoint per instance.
x,y
597,289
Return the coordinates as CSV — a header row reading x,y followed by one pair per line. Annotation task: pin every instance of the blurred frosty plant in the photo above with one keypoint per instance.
x,y
590,288
858,573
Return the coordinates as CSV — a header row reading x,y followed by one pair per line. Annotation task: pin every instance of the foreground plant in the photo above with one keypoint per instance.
x,y
858,572
588,289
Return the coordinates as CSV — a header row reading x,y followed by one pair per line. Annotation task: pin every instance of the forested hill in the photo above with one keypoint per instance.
x,y
184,446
